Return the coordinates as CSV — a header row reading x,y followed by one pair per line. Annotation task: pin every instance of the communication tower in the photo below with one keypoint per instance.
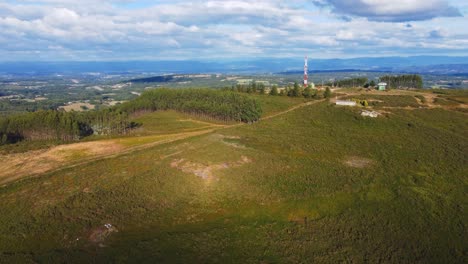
x,y
306,74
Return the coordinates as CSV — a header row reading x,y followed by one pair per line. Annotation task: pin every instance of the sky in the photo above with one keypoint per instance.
x,y
107,30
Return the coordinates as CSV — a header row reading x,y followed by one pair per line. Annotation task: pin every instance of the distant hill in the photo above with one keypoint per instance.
x,y
155,79
433,64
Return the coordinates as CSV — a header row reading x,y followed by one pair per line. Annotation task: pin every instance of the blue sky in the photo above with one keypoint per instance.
x,y
158,30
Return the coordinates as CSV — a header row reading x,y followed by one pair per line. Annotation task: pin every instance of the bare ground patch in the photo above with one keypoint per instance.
x,y
229,140
100,234
15,166
204,171
78,107
358,162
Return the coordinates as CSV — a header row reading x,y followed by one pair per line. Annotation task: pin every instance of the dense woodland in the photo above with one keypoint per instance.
x,y
295,90
42,125
403,81
63,126
393,81
222,105
348,83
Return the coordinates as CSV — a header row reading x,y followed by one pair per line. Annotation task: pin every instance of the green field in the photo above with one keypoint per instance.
x,y
317,184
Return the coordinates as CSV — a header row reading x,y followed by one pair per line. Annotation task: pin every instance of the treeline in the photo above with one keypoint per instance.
x,y
63,126
110,121
299,91
70,126
348,83
222,105
252,87
295,90
353,82
403,81
42,125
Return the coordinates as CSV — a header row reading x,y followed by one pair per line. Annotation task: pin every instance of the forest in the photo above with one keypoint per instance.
x,y
62,126
353,82
403,81
42,125
220,104
70,126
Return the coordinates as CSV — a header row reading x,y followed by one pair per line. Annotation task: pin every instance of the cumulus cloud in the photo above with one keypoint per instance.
x,y
393,10
131,29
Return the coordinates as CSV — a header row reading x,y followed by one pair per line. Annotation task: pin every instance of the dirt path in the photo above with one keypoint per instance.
x,y
291,109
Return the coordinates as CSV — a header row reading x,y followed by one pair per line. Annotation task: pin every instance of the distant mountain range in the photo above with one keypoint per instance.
x,y
417,64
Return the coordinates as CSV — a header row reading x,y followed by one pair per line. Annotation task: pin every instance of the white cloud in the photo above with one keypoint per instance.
x,y
218,29
393,10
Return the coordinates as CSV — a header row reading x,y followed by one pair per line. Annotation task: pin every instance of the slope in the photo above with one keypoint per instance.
x,y
319,183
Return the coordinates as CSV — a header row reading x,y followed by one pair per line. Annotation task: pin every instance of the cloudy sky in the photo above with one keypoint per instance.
x,y
153,30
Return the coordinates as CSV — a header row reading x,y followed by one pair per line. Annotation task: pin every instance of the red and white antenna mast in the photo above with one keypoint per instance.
x,y
306,74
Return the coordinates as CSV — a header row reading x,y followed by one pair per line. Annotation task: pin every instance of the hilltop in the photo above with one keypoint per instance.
x,y
309,181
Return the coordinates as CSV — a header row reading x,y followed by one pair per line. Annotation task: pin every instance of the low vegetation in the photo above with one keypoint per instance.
x,y
318,184
388,100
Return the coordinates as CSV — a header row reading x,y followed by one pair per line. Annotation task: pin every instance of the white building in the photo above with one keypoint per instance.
x,y
346,103
382,86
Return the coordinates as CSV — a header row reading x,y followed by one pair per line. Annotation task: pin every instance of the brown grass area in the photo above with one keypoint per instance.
x,y
358,162
206,172
77,107
16,166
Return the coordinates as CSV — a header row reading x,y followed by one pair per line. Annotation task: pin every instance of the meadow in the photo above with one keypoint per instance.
x,y
317,184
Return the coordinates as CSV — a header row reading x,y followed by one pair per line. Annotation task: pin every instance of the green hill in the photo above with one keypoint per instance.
x,y
318,183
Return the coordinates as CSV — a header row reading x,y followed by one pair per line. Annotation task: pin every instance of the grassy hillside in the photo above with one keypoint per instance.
x,y
318,184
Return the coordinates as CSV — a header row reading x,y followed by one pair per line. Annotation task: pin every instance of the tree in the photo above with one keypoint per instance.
x,y
372,83
295,91
296,85
307,92
352,82
274,90
261,88
327,93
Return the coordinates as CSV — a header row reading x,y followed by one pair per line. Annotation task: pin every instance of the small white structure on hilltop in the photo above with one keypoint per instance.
x,y
346,103
382,86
